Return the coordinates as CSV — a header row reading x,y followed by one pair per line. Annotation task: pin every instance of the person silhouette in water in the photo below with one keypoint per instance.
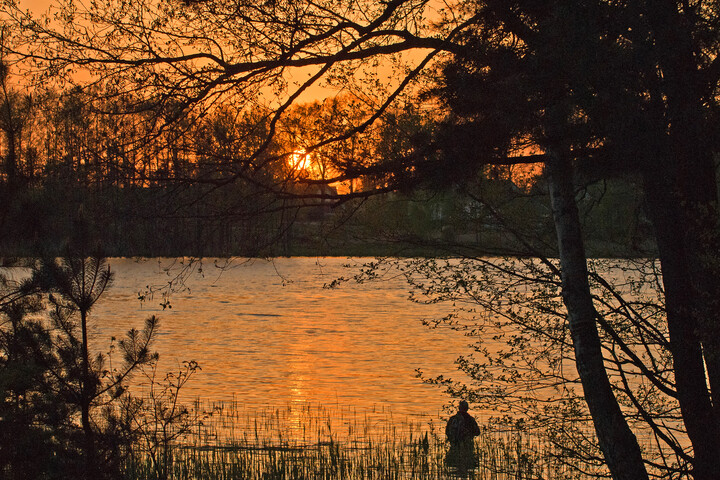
x,y
460,430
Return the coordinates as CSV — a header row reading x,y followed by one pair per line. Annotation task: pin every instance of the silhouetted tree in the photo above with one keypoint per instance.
x,y
583,82
56,393
39,441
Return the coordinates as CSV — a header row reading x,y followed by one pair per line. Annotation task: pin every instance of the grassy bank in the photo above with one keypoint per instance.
x,y
313,442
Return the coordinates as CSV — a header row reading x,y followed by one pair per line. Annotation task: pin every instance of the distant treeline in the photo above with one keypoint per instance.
x,y
198,221
206,188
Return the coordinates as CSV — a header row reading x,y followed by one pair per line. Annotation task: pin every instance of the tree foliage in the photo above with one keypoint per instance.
x,y
61,398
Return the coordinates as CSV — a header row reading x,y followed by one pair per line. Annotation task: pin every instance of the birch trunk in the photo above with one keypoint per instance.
x,y
617,442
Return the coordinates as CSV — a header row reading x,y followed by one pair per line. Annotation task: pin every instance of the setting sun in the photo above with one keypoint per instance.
x,y
300,161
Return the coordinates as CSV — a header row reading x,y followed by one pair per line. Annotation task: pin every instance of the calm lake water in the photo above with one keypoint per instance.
x,y
266,333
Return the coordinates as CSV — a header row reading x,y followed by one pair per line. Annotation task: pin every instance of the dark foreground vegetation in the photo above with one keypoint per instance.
x,y
64,408
313,442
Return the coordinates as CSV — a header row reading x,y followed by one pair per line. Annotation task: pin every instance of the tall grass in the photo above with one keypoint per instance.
x,y
314,442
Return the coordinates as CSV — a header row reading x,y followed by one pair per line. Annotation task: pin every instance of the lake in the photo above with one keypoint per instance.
x,y
266,333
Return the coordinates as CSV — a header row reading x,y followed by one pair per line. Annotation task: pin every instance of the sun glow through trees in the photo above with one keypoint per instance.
x,y
301,162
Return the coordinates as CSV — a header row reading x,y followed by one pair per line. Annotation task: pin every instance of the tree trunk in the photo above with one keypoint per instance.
x,y
617,442
683,306
681,196
85,399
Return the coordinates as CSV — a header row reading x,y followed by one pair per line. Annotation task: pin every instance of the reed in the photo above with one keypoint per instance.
x,y
309,442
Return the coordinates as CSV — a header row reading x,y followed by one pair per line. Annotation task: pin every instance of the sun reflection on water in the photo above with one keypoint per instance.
x,y
264,341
